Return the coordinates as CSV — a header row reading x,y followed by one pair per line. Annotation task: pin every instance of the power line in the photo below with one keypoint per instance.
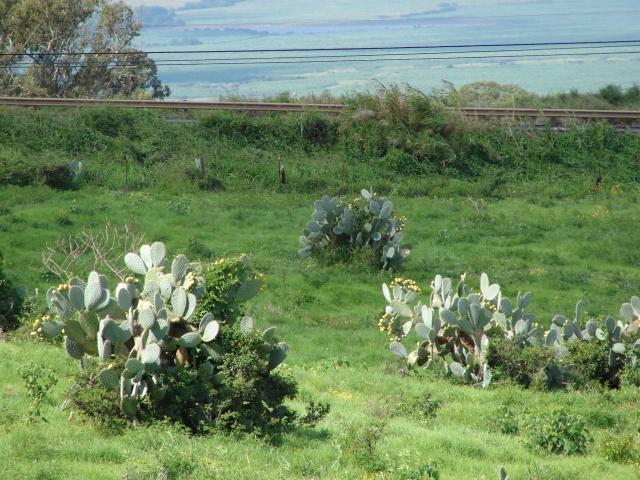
x,y
405,59
325,49
307,57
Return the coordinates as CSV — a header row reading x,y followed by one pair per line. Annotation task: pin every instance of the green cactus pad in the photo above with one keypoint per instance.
x,y
190,340
278,353
109,378
90,324
179,267
73,348
269,333
179,301
133,366
74,330
211,331
206,318
105,349
247,325
398,349
76,297
157,252
135,263
248,290
51,329
92,295
151,354
123,296
146,317
110,330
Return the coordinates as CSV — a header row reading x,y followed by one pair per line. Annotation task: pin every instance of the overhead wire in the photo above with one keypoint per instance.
x,y
327,49
112,63
347,56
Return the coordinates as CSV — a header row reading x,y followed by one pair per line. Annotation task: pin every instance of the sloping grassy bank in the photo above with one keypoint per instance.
x,y
560,250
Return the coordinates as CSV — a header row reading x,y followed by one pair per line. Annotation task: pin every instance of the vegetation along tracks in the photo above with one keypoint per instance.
x,y
627,119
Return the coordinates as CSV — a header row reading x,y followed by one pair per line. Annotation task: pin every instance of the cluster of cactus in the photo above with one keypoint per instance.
x,y
366,222
622,336
454,326
145,326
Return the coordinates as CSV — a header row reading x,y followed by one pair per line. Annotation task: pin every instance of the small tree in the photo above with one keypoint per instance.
x,y
73,48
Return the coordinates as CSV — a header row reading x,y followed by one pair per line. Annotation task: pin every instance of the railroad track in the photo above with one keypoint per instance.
x,y
620,117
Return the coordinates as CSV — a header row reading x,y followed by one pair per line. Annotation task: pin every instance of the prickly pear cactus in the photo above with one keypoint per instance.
x,y
144,326
367,222
454,326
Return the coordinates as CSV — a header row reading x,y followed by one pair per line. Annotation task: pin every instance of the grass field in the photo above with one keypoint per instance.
x,y
562,248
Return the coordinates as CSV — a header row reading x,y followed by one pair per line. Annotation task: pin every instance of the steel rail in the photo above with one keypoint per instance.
x,y
609,115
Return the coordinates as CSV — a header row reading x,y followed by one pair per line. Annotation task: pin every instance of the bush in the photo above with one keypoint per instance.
x,y
556,432
339,232
245,396
617,447
222,280
10,302
171,346
510,360
590,361
60,176
98,404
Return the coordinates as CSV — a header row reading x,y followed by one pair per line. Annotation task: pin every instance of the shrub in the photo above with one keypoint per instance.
x,y
505,421
227,284
38,381
213,372
10,302
591,361
359,444
521,364
98,404
556,432
339,232
617,447
18,171
57,176
60,176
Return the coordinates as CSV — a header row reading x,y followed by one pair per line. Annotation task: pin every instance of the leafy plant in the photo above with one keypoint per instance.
x,y
506,421
38,381
341,230
10,302
556,432
617,447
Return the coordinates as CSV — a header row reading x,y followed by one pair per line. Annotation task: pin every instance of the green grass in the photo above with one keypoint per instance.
x,y
560,248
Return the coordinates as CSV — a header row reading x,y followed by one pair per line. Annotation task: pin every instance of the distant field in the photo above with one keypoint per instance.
x,y
254,24
561,250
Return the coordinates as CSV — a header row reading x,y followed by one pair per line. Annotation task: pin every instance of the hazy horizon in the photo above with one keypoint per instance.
x,y
263,24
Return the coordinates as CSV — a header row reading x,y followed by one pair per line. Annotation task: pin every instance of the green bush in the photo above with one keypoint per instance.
x,y
590,361
556,432
510,360
98,404
245,396
10,302
222,280
617,447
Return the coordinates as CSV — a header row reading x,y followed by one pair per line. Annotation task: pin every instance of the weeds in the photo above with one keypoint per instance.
x,y
38,381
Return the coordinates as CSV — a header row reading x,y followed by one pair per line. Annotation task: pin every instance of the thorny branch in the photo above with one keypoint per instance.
x,y
101,249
